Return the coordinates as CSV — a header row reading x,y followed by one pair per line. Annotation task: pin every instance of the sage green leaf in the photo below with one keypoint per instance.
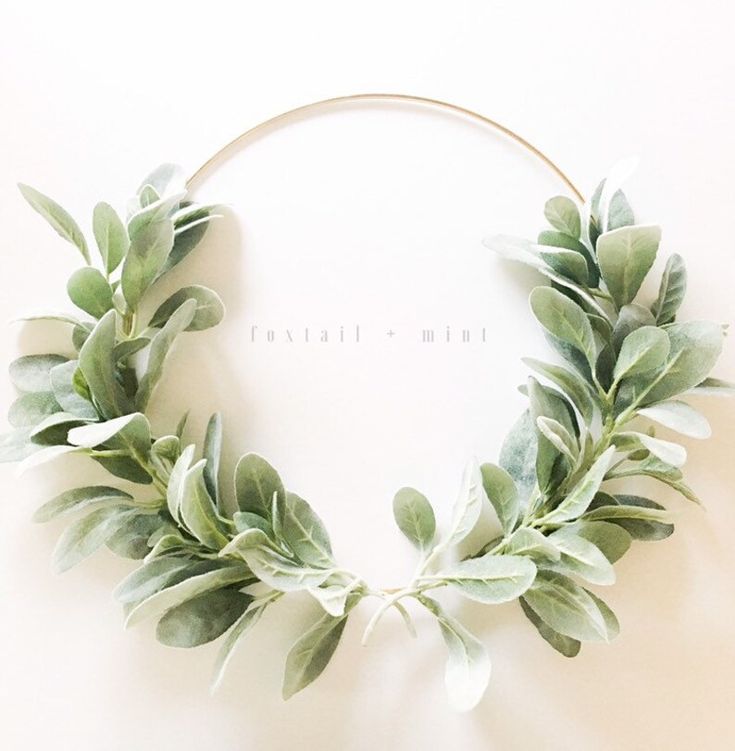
x,y
54,429
209,311
658,470
666,451
50,316
695,347
167,179
132,539
57,217
160,345
90,291
581,557
564,319
32,373
644,349
80,334
558,436
149,247
467,507
468,665
311,653
28,410
640,528
568,263
151,577
212,451
256,482
249,539
630,318
576,503
280,572
531,542
151,210
333,596
125,467
566,607
613,540
611,621
518,456
570,383
187,237
66,394
110,235
563,240
129,347
81,498
165,599
503,495
415,517
491,579
246,520
83,536
714,387
625,256
625,511
202,619
16,445
44,456
197,509
680,417
563,644
671,291
243,625
562,214
132,431
175,488
98,368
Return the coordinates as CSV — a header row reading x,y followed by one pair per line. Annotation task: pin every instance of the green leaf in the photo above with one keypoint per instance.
x,y
576,503
54,429
415,517
160,345
714,387
90,291
30,409
32,373
132,431
197,509
125,468
491,579
468,665
568,263
558,436
151,577
671,291
666,451
644,349
110,235
564,319
639,525
562,214
566,607
581,557
209,311
65,393
276,570
256,482
246,520
212,451
16,446
83,536
44,456
333,597
611,539
167,179
57,217
630,318
570,383
518,456
132,539
98,367
202,619
175,488
467,507
246,621
311,653
149,247
563,644
162,601
80,498
304,533
625,256
503,495
695,347
531,542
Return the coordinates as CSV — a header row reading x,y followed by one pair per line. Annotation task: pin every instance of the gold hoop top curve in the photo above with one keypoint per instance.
x,y
284,117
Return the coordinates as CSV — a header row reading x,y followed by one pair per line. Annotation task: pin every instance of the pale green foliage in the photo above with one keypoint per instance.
x,y
216,555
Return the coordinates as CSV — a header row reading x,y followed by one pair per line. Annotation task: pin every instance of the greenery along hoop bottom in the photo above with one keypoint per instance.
x,y
215,555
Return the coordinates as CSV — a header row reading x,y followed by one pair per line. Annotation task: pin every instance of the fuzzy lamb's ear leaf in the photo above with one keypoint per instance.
x,y
518,456
415,517
311,653
111,236
644,349
149,248
503,495
671,291
562,214
209,311
680,417
491,579
625,256
467,507
57,217
256,482
563,644
32,373
304,533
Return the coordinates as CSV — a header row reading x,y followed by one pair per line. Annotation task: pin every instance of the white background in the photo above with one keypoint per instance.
x,y
369,215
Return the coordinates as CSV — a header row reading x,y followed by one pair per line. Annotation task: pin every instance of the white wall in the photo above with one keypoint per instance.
x,y
370,215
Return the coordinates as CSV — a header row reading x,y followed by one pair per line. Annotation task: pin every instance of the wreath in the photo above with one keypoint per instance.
x,y
215,556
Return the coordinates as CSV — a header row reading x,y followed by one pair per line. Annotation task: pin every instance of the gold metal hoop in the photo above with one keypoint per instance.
x,y
285,117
